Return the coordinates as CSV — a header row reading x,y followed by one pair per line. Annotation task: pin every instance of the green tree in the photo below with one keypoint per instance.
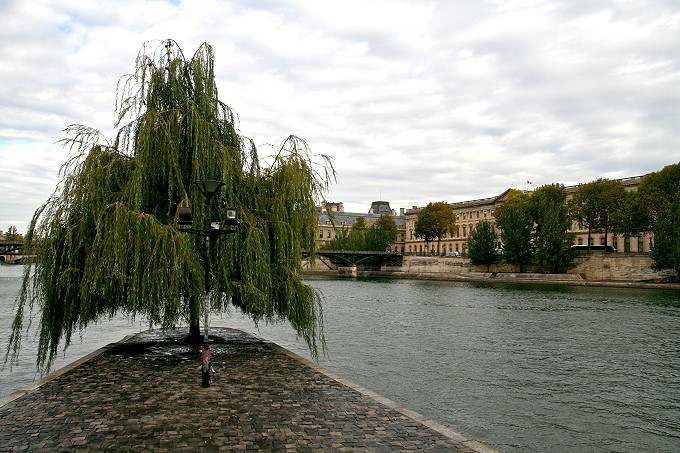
x,y
514,220
596,205
482,244
382,234
12,234
359,225
360,237
585,207
665,250
660,192
551,239
613,195
633,217
434,221
109,241
542,197
340,241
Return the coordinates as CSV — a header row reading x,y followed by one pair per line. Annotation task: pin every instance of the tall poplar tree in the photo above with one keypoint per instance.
x,y
108,242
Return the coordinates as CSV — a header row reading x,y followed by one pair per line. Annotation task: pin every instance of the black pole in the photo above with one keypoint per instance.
x,y
205,349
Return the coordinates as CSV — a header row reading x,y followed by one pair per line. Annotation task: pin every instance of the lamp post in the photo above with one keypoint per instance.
x,y
211,232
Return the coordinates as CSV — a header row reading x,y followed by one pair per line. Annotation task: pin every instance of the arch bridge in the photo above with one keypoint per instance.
x,y
10,252
353,258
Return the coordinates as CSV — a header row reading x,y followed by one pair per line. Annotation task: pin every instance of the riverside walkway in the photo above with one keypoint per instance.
x,y
144,394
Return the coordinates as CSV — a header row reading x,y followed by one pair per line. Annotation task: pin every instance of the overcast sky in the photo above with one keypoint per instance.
x,y
416,101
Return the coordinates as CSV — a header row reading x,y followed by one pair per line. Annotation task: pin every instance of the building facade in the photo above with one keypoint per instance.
x,y
470,213
333,218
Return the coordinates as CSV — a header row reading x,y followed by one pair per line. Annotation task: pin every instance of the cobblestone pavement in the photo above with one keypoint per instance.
x,y
145,394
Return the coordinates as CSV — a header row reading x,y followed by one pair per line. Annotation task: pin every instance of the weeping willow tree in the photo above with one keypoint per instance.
x,y
107,242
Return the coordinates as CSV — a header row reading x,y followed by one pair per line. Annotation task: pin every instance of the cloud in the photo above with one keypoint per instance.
x,y
416,101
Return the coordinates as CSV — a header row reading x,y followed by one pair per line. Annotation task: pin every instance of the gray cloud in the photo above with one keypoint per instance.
x,y
416,101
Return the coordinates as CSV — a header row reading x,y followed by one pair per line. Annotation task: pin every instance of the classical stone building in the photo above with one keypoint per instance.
x,y
333,217
470,213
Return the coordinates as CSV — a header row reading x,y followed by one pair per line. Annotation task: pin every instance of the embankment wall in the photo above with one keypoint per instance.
x,y
630,267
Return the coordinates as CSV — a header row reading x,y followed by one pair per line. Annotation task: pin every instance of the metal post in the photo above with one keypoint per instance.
x,y
206,302
205,349
211,233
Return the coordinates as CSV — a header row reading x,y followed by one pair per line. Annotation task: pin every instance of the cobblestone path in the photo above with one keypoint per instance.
x,y
145,394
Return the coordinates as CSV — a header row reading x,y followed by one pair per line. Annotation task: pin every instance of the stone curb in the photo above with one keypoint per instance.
x,y
55,374
445,431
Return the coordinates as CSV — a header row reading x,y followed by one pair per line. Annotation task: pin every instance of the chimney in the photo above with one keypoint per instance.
x,y
401,211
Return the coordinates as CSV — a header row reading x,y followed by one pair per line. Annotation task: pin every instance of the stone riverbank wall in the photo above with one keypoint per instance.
x,y
628,267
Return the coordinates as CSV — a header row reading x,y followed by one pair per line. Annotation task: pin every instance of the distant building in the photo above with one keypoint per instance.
x,y
381,207
332,207
470,213
333,219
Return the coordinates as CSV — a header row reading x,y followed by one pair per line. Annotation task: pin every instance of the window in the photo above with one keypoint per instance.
x,y
329,234
641,244
580,241
626,245
320,234
464,231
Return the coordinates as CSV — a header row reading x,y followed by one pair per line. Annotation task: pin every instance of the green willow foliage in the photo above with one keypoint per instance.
x,y
108,242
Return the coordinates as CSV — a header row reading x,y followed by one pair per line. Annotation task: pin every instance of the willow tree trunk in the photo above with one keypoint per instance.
x,y
194,321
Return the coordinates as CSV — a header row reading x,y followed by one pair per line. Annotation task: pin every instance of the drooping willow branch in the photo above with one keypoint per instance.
x,y
107,241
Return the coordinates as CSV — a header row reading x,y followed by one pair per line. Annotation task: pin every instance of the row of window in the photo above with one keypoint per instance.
x,y
627,243
471,214
456,234
460,248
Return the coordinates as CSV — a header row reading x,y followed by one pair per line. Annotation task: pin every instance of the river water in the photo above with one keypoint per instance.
x,y
522,368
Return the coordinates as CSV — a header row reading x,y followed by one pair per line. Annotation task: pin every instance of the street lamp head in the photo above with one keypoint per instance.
x,y
184,216
230,216
208,187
